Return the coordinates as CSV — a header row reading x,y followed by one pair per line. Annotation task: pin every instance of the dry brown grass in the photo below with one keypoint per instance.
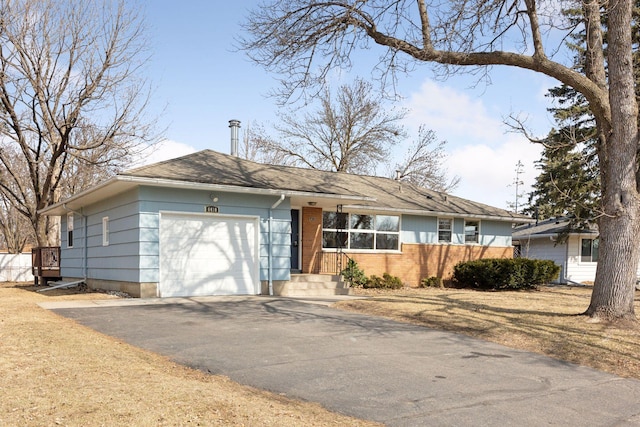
x,y
545,321
56,372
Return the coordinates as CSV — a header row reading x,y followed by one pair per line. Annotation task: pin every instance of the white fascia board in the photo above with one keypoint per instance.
x,y
425,212
65,205
121,183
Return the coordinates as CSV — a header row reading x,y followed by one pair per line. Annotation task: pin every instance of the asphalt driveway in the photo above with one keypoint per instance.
x,y
365,366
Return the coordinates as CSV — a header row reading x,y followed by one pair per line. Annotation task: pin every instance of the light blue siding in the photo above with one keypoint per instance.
x,y
280,247
133,251
419,229
72,259
424,229
120,260
495,233
457,237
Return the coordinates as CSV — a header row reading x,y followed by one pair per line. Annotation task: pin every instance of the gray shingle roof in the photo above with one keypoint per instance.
x,y
553,226
210,167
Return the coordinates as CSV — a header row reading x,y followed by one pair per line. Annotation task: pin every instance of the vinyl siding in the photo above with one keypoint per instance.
x,y
133,251
419,229
577,270
545,248
424,229
495,233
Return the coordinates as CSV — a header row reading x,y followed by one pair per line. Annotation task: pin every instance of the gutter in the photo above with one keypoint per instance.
x,y
128,182
420,212
270,257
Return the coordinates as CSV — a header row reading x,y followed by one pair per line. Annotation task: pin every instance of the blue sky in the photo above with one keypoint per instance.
x,y
201,83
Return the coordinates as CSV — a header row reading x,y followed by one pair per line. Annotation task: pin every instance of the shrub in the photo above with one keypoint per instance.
x,y
353,274
431,282
387,281
504,273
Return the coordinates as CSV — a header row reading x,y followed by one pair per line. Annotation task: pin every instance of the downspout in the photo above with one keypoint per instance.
x,y
84,249
270,256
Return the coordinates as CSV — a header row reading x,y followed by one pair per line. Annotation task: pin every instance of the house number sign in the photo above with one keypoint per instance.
x,y
211,209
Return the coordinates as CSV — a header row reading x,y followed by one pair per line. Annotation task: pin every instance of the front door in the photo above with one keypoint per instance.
x,y
295,240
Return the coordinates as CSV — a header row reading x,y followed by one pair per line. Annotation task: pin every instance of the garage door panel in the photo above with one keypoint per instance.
x,y
204,255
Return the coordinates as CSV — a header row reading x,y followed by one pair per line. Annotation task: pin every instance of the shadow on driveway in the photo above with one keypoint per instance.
x,y
368,367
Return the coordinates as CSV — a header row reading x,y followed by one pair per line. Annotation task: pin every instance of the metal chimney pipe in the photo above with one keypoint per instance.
x,y
235,126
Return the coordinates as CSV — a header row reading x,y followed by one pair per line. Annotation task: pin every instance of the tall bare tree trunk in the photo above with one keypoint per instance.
x,y
316,37
614,287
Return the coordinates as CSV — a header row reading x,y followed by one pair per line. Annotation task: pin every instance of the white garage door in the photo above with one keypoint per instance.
x,y
208,255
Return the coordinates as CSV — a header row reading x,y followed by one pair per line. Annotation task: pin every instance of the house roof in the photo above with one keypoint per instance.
x,y
215,171
547,228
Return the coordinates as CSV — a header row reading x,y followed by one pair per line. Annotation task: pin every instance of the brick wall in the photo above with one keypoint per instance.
x,y
416,261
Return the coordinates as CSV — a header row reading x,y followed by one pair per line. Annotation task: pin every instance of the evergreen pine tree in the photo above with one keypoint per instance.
x,y
569,181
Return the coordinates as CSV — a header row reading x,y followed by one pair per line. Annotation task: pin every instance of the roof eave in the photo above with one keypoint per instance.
x,y
423,212
121,183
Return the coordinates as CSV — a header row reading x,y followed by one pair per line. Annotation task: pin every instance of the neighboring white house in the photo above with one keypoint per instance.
x,y
577,255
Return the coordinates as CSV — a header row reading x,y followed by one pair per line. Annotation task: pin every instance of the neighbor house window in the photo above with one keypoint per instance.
x,y
105,231
444,230
471,231
360,231
70,230
589,250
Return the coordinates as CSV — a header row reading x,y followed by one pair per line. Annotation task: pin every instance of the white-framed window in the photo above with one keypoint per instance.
x,y
105,231
70,229
589,250
445,230
472,231
360,231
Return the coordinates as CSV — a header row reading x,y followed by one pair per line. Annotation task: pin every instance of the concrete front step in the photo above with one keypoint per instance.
x,y
306,278
313,285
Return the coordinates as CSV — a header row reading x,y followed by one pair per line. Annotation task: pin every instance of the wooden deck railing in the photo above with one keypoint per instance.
x,y
45,262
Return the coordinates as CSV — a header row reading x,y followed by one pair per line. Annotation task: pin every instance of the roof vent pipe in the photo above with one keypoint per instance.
x,y
235,126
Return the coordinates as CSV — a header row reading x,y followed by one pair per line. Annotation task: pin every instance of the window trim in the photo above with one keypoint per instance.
x,y
591,240
105,231
451,225
477,233
373,231
70,227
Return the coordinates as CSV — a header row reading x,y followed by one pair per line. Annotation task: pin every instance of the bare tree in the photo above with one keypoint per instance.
x,y
70,96
259,147
355,135
423,163
15,231
351,133
304,40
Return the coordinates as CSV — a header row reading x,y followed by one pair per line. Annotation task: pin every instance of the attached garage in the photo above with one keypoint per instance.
x,y
204,254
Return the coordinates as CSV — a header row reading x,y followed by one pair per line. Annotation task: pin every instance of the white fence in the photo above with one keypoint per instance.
x,y
15,268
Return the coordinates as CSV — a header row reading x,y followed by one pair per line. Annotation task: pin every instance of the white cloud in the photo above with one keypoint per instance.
x,y
488,172
480,149
165,150
452,114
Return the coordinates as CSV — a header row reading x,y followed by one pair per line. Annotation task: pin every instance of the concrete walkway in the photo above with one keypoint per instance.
x,y
365,366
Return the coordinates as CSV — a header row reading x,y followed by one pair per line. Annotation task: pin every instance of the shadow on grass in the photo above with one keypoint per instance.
x,y
546,322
